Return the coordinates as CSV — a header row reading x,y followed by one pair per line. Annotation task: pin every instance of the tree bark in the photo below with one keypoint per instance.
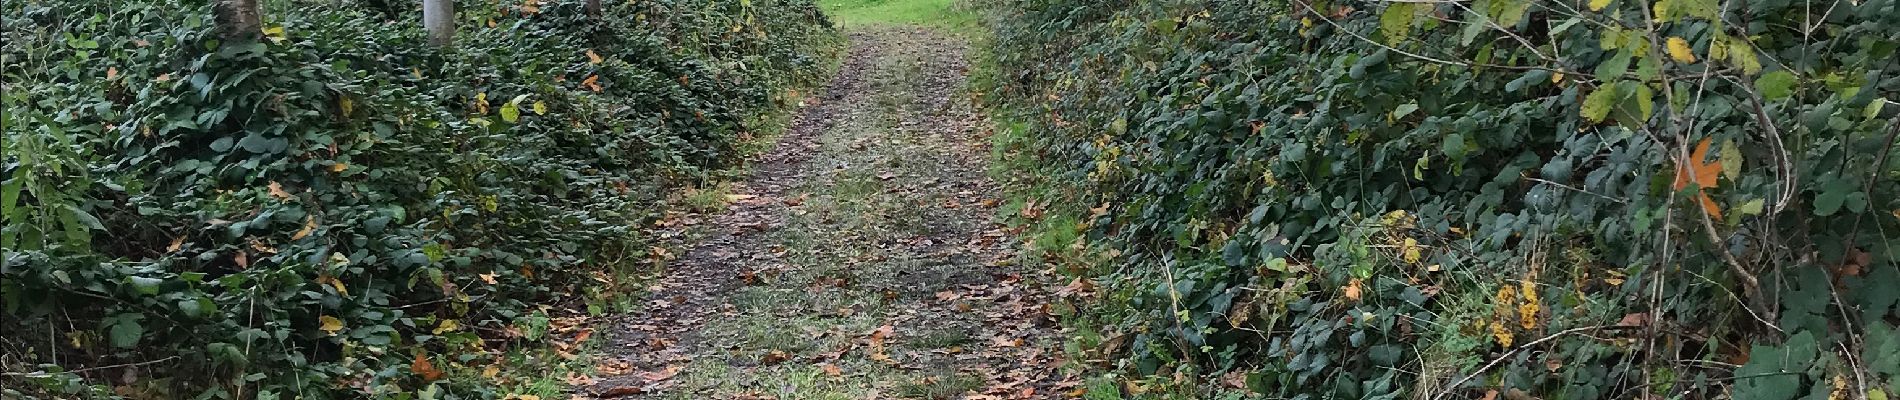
x,y
438,17
593,8
240,19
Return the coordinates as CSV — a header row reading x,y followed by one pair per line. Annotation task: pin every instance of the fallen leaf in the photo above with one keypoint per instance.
x,y
593,58
309,225
832,370
592,83
774,357
487,278
422,367
661,375
446,326
112,73
277,190
1633,319
1351,290
176,244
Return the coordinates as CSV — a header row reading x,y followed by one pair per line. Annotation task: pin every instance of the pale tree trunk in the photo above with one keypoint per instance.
x,y
240,19
438,16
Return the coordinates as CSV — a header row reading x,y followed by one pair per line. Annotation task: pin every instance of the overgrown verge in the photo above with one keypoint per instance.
x,y
1527,199
339,210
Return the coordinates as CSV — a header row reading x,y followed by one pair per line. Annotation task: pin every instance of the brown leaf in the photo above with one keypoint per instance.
x,y
423,368
592,83
774,357
832,370
661,375
1634,319
176,244
593,58
277,190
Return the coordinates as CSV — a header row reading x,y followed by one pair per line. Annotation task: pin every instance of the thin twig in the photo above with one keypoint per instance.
x,y
90,369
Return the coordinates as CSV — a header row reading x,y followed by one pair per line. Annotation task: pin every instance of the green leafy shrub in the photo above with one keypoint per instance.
x,y
1578,200
338,209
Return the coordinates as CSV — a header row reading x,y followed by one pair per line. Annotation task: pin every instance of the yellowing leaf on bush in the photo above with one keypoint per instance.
x,y
481,103
593,58
329,324
275,34
1679,50
447,325
1598,5
344,103
334,284
540,107
1703,174
1410,250
339,167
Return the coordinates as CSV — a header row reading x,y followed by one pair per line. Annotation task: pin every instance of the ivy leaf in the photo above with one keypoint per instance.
x,y
126,333
1776,85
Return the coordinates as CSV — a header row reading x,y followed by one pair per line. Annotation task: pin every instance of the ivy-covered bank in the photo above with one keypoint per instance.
x,y
339,209
1575,199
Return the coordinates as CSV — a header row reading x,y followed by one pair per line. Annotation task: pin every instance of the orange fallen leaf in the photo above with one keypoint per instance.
x,y
592,83
309,225
1352,289
832,370
176,244
593,58
422,367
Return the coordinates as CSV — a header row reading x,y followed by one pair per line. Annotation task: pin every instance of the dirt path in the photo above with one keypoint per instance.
x,y
859,261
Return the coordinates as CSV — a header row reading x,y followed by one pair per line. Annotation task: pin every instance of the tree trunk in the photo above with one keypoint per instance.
x,y
593,8
240,19
438,16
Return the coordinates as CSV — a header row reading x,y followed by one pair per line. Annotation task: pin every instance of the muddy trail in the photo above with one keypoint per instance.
x,y
860,260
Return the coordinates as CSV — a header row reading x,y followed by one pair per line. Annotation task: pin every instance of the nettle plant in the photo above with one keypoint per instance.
x,y
1435,199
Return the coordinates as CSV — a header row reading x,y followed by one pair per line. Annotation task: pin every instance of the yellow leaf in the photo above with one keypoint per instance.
x,y
593,58
275,34
481,103
540,108
1502,333
339,167
1679,50
447,325
1410,250
334,284
1598,5
329,324
309,225
344,102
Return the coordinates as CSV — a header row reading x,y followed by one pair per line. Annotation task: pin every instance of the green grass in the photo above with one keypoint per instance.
x,y
860,13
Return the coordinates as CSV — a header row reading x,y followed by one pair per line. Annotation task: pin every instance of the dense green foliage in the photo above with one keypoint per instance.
x,y
1547,199
338,209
